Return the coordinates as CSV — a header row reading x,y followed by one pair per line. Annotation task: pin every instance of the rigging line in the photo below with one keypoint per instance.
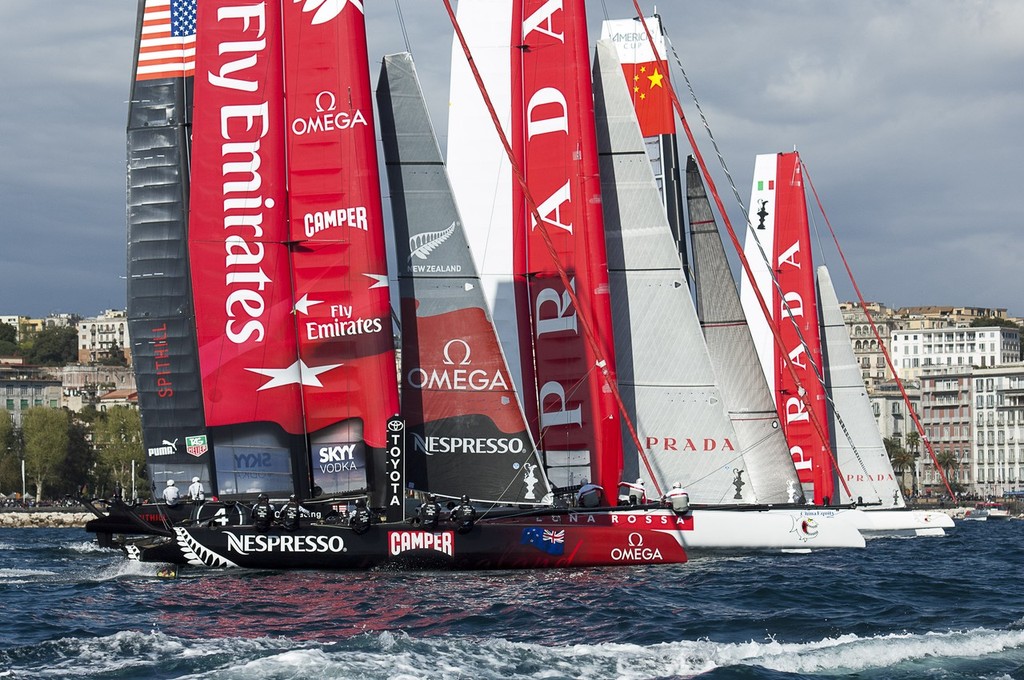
x,y
584,316
878,337
819,428
401,23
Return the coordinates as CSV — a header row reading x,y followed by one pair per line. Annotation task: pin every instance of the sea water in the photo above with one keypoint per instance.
x,y
945,608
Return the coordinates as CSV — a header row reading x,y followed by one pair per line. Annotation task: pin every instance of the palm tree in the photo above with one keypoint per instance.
x,y
913,447
948,462
900,458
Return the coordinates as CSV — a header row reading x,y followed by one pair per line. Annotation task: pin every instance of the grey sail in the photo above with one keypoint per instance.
x,y
664,371
860,453
740,378
466,430
159,297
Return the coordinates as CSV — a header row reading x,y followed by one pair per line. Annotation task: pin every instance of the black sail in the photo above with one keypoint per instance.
x,y
467,433
159,303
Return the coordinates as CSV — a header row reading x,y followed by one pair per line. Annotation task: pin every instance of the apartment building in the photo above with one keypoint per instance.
x,y
99,336
999,428
914,350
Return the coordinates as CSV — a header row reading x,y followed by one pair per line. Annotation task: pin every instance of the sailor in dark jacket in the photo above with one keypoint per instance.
x,y
262,513
463,514
430,512
290,514
361,518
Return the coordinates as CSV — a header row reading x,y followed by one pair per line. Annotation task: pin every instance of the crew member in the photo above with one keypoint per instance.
x,y
677,499
463,514
589,495
290,514
361,518
195,490
430,512
171,493
262,513
632,493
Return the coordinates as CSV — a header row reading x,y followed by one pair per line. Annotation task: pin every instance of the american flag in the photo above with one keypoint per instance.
x,y
168,45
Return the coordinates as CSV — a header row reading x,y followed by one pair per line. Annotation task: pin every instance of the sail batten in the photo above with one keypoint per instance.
x,y
160,310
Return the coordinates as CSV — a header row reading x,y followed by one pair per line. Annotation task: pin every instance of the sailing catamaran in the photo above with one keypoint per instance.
x,y
293,326
666,377
827,395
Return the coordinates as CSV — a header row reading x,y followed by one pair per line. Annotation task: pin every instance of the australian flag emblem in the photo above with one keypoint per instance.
x,y
551,541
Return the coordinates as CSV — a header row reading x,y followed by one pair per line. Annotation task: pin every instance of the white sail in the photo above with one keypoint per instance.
x,y
860,453
664,371
478,168
750,403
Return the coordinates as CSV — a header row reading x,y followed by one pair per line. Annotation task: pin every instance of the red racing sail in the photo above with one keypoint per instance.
x,y
554,137
778,218
342,309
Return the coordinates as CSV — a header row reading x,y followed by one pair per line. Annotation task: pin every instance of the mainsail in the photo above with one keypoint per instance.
x,y
539,53
860,452
467,431
160,311
778,248
341,306
241,278
750,403
665,374
646,69
287,249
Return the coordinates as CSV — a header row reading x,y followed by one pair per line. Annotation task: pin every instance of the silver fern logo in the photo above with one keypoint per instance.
x,y
325,10
421,245
198,554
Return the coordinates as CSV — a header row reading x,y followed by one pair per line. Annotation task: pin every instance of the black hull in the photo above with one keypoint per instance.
x,y
533,541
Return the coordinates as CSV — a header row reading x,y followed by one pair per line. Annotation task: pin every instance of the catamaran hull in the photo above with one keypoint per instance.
x,y
767,529
890,522
529,542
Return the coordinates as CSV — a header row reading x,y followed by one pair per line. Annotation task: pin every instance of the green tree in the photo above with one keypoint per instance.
x,y
46,434
900,458
80,462
118,438
10,454
53,346
8,340
993,321
913,446
948,462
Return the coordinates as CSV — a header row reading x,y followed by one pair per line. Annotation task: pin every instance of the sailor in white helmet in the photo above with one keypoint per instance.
x,y
677,499
195,490
171,493
632,493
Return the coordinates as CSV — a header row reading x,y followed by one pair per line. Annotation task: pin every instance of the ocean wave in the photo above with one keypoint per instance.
x,y
398,656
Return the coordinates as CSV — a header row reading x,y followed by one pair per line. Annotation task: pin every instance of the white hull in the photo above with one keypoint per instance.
x,y
882,523
772,530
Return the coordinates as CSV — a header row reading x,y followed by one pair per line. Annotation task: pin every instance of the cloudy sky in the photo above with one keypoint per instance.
x,y
907,114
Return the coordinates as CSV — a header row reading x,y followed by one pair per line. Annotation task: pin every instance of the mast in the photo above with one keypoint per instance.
x,y
240,259
159,298
779,227
342,312
466,425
